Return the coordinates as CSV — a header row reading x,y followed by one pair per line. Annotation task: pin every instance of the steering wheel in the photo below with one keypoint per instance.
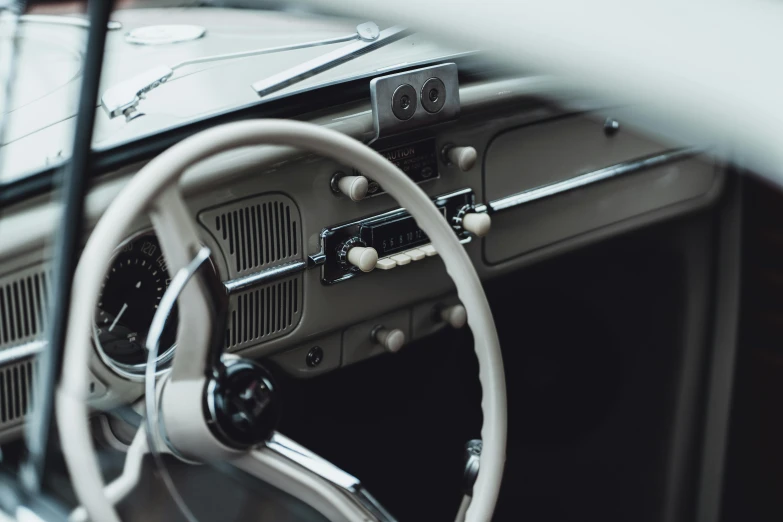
x,y
194,368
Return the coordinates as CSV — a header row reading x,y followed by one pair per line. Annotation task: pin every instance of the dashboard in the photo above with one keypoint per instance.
x,y
322,268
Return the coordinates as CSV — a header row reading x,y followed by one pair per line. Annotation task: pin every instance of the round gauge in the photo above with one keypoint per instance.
x,y
135,283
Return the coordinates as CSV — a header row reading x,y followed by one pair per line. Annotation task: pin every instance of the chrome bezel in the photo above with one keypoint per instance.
x,y
133,372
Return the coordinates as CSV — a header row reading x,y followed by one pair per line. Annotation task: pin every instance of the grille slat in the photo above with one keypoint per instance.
x,y
22,307
264,313
256,233
16,392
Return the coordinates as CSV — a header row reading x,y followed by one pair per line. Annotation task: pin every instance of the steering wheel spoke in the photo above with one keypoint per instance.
x,y
203,303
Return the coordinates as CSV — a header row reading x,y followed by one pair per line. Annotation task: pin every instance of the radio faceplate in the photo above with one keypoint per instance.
x,y
388,233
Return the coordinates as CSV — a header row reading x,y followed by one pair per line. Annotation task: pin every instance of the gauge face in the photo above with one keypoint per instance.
x,y
134,285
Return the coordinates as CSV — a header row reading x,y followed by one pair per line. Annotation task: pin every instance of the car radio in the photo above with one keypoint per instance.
x,y
392,239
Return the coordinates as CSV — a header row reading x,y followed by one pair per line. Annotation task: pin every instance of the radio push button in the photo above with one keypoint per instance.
x,y
415,254
386,263
401,259
429,250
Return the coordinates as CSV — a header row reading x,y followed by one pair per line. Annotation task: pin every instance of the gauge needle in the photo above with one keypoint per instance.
x,y
122,311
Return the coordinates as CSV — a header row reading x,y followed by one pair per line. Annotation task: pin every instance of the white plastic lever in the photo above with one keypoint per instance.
x,y
355,187
463,157
455,316
392,340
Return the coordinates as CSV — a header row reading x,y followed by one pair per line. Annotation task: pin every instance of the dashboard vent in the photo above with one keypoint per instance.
x,y
23,305
256,233
16,391
264,313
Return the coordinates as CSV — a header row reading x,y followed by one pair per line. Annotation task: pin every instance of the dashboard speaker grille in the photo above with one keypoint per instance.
x,y
256,233
16,391
264,313
23,305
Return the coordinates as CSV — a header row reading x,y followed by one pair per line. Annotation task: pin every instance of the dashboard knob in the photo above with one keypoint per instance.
x,y
355,187
364,258
463,157
392,340
477,224
456,316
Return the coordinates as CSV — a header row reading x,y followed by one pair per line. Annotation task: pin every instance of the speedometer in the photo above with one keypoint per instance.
x,y
132,289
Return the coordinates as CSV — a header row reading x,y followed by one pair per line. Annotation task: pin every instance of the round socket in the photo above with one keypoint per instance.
x,y
433,95
404,102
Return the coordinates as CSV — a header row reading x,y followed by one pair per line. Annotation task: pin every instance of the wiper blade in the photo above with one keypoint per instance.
x,y
328,61
124,98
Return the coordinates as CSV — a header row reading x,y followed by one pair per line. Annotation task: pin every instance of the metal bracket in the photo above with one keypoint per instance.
x,y
404,102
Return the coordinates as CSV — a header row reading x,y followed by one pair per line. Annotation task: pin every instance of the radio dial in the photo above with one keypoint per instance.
x,y
355,253
468,220
477,224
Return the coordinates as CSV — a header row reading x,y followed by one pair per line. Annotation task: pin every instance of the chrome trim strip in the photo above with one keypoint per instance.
x,y
16,353
265,276
345,482
604,174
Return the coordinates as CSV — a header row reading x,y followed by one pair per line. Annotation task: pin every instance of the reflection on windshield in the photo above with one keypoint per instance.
x,y
50,56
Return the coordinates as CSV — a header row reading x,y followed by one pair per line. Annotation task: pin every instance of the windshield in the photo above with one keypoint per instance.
x,y
195,46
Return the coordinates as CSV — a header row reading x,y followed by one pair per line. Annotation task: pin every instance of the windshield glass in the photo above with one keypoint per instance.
x,y
190,50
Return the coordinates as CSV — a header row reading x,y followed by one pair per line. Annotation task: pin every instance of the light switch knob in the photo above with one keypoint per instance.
x,y
355,187
463,157
392,340
477,224
456,316
364,258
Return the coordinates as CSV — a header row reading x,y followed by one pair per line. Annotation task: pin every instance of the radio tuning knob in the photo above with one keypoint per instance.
x,y
455,316
364,258
355,187
391,340
463,157
476,223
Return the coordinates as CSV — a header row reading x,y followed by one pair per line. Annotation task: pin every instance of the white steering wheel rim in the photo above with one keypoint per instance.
x,y
140,195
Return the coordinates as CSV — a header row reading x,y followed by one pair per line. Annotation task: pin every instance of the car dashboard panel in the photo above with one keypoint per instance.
x,y
281,231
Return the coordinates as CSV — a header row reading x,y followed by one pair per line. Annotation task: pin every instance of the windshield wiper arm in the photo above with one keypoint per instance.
x,y
328,61
74,21
124,98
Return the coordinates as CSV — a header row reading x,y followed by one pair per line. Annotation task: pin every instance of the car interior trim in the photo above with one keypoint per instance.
x,y
590,178
22,351
265,276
